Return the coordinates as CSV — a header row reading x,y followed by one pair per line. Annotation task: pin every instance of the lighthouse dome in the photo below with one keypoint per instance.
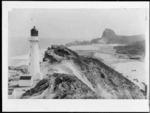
x,y
34,31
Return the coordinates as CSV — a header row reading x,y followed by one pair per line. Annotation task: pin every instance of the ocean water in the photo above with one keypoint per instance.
x,y
17,62
20,46
23,59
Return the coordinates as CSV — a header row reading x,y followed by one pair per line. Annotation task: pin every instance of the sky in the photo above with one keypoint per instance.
x,y
76,23
66,25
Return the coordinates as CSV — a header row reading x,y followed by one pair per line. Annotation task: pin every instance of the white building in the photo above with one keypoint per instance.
x,y
10,93
34,65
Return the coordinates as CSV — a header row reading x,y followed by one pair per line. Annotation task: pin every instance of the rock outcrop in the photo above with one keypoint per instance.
x,y
69,75
60,86
22,68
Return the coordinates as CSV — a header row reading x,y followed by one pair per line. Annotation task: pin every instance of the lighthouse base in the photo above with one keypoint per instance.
x,y
38,77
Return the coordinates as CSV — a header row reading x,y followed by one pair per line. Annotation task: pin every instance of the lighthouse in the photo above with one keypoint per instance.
x,y
34,64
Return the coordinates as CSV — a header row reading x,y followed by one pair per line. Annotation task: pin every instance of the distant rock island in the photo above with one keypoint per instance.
x,y
110,37
129,46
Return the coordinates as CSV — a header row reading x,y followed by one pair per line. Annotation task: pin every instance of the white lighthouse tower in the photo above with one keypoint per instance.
x,y
34,65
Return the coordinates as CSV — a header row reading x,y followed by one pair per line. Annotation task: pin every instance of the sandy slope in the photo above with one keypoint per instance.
x,y
133,70
67,67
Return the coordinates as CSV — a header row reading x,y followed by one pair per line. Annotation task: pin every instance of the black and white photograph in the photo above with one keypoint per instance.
x,y
77,53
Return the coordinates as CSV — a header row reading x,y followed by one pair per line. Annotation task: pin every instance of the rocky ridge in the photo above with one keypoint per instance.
x,y
68,75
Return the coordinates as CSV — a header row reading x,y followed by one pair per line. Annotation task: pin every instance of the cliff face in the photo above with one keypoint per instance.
x,y
68,75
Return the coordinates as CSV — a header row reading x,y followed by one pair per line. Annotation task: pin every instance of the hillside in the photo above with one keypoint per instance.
x,y
68,75
136,48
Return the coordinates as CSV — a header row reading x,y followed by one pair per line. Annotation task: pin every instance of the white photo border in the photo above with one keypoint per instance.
x,y
89,105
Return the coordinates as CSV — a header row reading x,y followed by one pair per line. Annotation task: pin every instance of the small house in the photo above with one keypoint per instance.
x,y
25,81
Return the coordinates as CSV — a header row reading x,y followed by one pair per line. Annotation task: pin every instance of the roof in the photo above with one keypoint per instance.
x,y
25,77
34,32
